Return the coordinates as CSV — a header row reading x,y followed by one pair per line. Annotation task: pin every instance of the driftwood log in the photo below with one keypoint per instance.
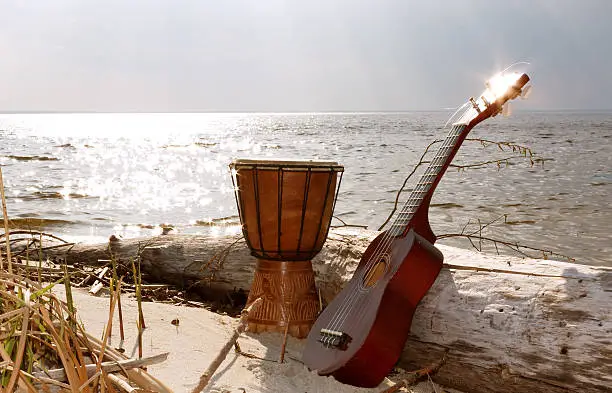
x,y
508,324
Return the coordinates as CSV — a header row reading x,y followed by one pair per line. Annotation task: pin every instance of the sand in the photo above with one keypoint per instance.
x,y
197,339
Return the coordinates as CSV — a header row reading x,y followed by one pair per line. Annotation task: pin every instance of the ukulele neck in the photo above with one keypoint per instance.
x,y
421,194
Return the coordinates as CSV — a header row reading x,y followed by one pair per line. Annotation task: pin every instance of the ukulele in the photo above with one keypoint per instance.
x,y
360,335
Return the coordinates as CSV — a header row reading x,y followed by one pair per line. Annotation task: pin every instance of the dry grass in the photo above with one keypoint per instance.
x,y
44,348
41,336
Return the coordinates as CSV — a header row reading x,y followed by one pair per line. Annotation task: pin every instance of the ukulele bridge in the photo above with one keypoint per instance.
x,y
334,339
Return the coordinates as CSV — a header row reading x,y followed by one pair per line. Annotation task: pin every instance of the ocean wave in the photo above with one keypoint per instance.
x,y
519,222
230,220
37,222
447,205
53,195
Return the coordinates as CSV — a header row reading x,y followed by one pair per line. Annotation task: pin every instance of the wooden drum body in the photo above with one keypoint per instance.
x,y
285,209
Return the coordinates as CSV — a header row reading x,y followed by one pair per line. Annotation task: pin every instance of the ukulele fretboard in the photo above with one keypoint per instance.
x,y
427,180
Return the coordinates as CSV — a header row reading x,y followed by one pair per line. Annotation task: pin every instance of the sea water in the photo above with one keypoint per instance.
x,y
87,176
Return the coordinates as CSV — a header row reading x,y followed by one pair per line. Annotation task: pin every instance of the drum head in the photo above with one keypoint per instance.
x,y
243,163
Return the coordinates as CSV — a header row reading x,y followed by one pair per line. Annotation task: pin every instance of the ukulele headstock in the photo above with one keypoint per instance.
x,y
500,89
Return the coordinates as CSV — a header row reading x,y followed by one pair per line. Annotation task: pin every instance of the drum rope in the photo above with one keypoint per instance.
x,y
258,212
324,205
304,206
279,206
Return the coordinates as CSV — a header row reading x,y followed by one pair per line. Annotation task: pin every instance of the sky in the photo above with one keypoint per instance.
x,y
297,56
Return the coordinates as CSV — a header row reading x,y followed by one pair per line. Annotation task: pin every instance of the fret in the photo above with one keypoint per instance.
x,y
397,229
427,180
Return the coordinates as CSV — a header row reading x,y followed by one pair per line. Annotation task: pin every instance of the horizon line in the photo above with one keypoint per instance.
x,y
41,112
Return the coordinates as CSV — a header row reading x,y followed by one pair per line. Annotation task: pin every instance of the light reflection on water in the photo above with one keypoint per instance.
x,y
97,174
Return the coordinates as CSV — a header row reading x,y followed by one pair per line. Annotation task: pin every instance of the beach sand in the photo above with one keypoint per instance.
x,y
196,341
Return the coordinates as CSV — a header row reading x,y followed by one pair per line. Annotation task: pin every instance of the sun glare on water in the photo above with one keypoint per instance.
x,y
131,171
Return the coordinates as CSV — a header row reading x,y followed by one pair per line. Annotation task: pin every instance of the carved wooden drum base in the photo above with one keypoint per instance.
x,y
289,296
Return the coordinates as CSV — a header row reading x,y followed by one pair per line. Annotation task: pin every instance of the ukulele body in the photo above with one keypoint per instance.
x,y
377,318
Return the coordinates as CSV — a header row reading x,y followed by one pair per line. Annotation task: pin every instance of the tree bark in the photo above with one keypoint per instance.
x,y
508,324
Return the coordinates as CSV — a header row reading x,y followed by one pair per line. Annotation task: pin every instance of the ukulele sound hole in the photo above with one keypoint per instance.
x,y
375,273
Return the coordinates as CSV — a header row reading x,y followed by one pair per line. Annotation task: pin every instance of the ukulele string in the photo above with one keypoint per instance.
x,y
384,245
414,200
417,198
387,240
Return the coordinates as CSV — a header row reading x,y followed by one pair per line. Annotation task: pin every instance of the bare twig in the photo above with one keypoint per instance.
x,y
523,151
213,265
344,224
207,375
284,344
21,232
399,192
511,245
416,375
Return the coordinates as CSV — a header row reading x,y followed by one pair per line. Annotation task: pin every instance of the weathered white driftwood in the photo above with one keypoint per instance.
x,y
509,324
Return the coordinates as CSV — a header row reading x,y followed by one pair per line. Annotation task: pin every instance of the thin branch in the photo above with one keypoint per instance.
x,y
475,165
22,232
511,245
344,224
514,146
482,226
242,324
415,376
399,192
523,150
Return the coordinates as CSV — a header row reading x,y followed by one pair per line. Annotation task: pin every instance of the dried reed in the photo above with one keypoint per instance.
x,y
6,226
43,347
40,333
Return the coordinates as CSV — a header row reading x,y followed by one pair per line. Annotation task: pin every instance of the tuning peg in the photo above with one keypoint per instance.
x,y
506,109
526,92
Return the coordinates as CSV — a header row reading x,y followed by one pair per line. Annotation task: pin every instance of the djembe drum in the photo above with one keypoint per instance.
x,y
285,208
